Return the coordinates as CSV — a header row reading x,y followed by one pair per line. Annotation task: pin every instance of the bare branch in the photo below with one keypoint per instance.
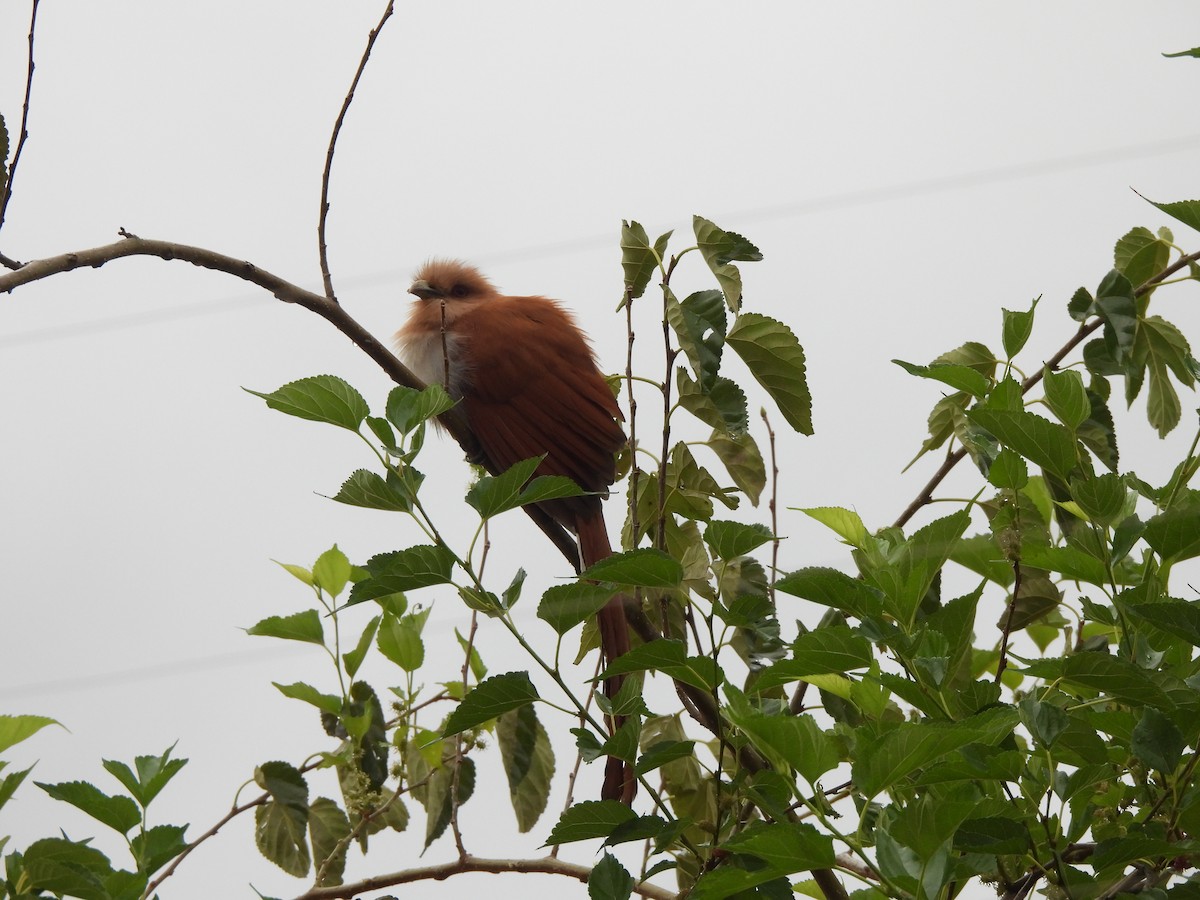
x,y
545,865
6,188
322,249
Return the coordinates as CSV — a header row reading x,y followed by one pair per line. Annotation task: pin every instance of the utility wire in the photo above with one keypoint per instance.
x,y
841,200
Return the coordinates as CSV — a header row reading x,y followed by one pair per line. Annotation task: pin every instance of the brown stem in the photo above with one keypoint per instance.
x,y
6,188
546,865
322,249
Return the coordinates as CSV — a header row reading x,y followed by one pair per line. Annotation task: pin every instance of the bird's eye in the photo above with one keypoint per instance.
x,y
459,290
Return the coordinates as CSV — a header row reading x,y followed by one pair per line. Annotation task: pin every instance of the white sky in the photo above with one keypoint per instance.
x,y
907,169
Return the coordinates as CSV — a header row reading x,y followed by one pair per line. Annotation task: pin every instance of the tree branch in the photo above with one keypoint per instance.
x,y
322,249
1076,339
6,188
546,865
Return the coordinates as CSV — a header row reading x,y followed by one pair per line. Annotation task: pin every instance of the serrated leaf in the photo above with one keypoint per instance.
x,y
372,491
152,774
1140,255
589,819
401,642
1175,617
327,703
281,824
1157,742
723,406
1102,497
959,377
776,360
1162,349
640,259
1067,397
1175,534
416,567
742,460
786,846
321,398
528,762
1186,211
699,323
637,568
720,250
669,657
352,660
729,540
157,846
408,408
833,588
1016,329
1008,471
662,753
331,571
609,880
67,868
566,605
1117,678
794,741
845,523
1042,442
818,652
887,760
302,626
492,495
119,813
14,729
328,827
491,698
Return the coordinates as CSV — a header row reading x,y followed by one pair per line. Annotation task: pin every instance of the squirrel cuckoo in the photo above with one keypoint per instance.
x,y
528,384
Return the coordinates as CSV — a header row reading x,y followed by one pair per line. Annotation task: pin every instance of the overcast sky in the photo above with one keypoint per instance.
x,y
906,169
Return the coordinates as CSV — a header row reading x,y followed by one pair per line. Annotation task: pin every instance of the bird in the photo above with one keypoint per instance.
x,y
527,381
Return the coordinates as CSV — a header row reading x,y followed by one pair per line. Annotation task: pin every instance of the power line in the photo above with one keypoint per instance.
x,y
840,200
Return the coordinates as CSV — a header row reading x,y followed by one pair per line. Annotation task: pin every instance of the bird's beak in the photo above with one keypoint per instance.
x,y
424,289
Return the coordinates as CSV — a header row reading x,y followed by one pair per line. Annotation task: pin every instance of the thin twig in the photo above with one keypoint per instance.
x,y
773,506
458,754
322,249
6,188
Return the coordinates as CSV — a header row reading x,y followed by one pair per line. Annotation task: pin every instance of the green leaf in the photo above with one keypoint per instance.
x,y
8,786
991,834
787,846
1116,305
66,868
353,659
833,588
1157,742
729,540
404,570
1039,440
1080,306
843,522
1140,254
157,846
491,496
1118,678
637,568
328,827
400,641
589,819
1017,328
720,250
1098,433
566,605
723,406
119,813
640,259
331,571
491,698
1067,397
742,460
281,824
664,752
959,377
153,774
1175,534
819,652
367,489
1175,617
796,741
327,703
669,657
321,398
609,880
14,729
1008,471
1162,349
917,562
302,626
528,762
700,324
775,359
1186,211
1070,562
1102,497
407,408
887,760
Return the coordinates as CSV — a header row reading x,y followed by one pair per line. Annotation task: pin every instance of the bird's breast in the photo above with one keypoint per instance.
x,y
433,355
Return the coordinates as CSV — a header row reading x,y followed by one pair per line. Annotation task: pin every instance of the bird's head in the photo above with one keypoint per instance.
x,y
450,279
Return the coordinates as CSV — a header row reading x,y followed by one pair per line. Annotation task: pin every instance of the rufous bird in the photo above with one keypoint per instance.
x,y
528,384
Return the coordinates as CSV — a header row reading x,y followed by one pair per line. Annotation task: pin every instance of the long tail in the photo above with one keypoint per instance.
x,y
620,782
